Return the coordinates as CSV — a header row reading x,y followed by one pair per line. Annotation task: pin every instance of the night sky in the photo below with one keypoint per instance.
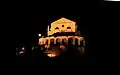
x,y
28,20
24,20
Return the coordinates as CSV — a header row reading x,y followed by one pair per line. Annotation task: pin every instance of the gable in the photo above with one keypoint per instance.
x,y
62,25
62,20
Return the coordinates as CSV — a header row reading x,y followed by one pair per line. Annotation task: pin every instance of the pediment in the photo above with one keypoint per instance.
x,y
62,20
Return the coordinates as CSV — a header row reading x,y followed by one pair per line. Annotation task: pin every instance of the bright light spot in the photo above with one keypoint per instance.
x,y
23,48
39,35
21,52
51,55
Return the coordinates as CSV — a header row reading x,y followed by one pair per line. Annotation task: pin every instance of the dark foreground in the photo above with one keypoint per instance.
x,y
65,59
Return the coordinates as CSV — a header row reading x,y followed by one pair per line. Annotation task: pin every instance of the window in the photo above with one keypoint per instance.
x,y
51,41
62,25
57,41
63,41
68,27
76,41
56,28
70,41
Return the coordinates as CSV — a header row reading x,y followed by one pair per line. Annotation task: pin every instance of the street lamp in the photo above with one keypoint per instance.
x,y
39,35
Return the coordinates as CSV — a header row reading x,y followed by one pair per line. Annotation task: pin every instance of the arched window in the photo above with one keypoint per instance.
x,y
68,27
58,41
76,41
63,41
56,28
51,41
70,41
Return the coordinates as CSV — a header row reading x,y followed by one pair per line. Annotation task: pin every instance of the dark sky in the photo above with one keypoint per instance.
x,y
29,20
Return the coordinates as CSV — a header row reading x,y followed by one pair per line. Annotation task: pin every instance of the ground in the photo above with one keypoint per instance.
x,y
39,58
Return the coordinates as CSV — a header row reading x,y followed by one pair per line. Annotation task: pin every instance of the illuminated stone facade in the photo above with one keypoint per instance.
x,y
62,25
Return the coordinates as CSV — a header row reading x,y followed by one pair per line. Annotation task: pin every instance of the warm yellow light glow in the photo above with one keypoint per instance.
x,y
58,24
62,20
61,25
51,55
47,46
41,41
